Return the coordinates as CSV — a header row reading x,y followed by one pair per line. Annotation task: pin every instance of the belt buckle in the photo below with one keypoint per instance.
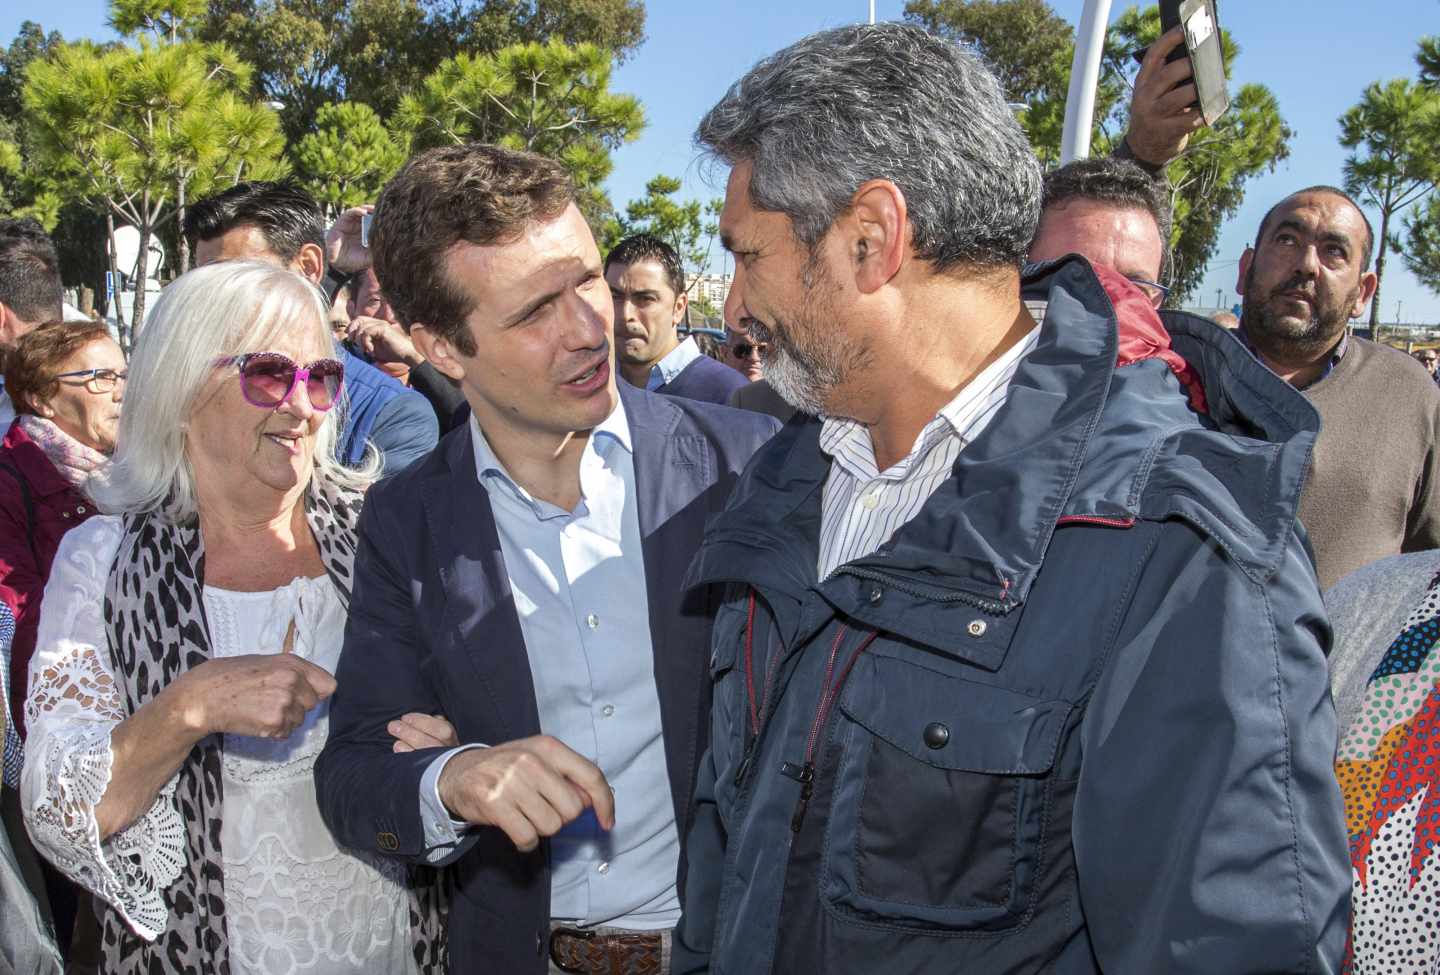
x,y
580,934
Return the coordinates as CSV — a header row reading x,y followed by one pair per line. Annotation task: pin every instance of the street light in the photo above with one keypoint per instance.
x,y
1084,74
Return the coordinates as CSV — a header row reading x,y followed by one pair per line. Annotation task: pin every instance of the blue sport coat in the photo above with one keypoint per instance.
x,y
433,628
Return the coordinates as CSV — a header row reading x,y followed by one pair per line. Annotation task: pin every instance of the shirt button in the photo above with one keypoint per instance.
x,y
870,501
608,710
592,621
603,868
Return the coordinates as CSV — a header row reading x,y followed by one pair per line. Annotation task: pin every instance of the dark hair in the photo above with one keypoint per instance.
x,y
645,247
29,272
884,101
474,193
31,363
1120,182
287,216
1365,252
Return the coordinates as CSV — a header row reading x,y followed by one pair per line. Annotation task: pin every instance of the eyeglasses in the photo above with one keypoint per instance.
x,y
268,378
742,350
1155,292
95,380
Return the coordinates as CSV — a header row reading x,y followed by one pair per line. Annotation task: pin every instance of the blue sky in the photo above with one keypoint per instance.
x,y
1316,57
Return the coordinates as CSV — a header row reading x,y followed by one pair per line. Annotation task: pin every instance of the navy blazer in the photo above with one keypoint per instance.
x,y
433,628
705,380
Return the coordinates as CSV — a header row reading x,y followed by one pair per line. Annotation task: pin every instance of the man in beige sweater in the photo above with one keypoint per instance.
x,y
1374,487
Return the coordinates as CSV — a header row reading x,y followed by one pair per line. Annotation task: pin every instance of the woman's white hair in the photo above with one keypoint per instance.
x,y
212,312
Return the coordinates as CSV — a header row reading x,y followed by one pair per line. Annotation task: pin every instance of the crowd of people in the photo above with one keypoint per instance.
x,y
419,596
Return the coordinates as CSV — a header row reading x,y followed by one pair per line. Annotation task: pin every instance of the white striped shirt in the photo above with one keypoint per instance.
x,y
862,507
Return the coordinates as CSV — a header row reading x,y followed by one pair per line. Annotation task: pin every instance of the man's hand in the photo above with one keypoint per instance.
x,y
415,730
343,249
528,788
383,341
1161,116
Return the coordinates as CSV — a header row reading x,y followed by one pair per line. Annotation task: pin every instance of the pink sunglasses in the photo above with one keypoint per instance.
x,y
268,378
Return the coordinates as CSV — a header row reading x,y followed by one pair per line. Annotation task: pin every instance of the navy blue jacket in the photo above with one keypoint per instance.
x,y
706,380
1093,731
381,410
433,628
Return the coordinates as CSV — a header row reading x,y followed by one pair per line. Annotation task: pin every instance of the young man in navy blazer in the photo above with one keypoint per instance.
x,y
523,581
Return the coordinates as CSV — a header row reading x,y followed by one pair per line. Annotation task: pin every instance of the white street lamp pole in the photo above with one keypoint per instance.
x,y
872,11
1084,74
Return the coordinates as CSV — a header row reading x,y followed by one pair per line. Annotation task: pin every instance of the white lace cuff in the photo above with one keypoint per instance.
x,y
73,708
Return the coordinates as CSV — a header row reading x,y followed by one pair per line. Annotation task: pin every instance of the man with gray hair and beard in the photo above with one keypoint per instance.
x,y
1021,665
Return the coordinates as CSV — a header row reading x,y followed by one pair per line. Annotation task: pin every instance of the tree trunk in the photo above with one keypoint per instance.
x,y
137,318
113,299
182,242
1379,275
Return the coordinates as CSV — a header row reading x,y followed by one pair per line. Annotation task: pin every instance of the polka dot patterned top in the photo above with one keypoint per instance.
x,y
1389,772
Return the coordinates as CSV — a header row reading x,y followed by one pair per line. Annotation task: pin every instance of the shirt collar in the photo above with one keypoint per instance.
x,y
614,429
674,363
840,437
1331,361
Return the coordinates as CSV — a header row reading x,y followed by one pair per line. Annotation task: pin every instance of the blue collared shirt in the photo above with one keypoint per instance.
x,y
674,363
1331,361
578,578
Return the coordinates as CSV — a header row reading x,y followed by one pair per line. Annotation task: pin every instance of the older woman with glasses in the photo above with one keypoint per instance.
x,y
179,690
67,382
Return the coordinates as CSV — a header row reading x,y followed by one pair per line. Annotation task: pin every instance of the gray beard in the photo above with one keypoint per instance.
x,y
800,378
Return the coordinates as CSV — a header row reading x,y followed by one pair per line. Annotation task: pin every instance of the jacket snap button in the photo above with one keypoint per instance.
x,y
876,594
80,510
936,735
976,628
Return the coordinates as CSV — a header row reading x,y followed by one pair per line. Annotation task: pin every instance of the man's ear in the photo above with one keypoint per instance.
x,y
1368,283
680,303
310,263
1246,259
437,350
875,230
8,320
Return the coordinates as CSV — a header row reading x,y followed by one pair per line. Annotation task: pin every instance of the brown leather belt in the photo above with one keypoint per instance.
x,y
579,950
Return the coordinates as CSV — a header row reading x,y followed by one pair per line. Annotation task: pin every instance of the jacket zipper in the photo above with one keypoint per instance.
x,y
991,606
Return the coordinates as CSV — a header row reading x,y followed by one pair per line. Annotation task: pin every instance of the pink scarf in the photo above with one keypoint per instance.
x,y
73,459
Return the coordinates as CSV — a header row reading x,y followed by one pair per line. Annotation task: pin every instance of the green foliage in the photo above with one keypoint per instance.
x,y
134,130
1428,59
309,53
1392,131
1036,48
1025,41
349,156
551,98
163,19
1422,243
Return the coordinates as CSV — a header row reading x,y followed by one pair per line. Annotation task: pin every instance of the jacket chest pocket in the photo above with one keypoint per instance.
x,y
942,800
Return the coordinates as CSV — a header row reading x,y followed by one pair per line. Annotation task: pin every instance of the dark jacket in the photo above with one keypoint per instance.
x,y
433,628
382,411
705,380
761,397
37,507
1093,731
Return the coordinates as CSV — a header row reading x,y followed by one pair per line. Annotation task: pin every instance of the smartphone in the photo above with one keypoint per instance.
x,y
365,221
1203,49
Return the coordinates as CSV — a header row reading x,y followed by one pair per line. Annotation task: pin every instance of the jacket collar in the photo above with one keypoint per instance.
x,y
978,543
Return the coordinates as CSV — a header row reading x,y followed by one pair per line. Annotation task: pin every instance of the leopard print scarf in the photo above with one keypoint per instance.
x,y
155,619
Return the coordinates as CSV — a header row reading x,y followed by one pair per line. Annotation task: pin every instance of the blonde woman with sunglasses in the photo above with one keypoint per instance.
x,y
180,688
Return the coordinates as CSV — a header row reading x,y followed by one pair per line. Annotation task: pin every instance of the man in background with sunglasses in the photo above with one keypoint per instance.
x,y
524,581
747,356
281,224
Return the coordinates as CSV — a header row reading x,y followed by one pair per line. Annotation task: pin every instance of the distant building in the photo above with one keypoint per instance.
x,y
714,288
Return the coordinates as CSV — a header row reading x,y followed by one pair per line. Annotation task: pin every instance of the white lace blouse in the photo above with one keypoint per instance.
x,y
295,902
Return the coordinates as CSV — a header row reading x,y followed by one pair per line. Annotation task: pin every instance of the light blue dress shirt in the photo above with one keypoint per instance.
x,y
674,363
578,578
